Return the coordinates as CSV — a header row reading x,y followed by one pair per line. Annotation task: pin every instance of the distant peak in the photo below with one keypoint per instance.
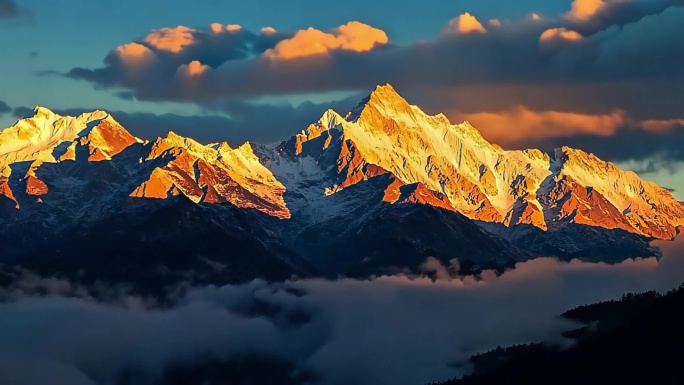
x,y
246,148
173,136
222,147
86,117
43,111
170,140
330,119
386,88
182,141
330,113
384,99
385,93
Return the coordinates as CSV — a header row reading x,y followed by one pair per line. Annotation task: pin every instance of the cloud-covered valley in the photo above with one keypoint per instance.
x,y
114,224
387,330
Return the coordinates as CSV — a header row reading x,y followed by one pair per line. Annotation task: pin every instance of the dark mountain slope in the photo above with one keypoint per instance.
x,y
162,243
639,340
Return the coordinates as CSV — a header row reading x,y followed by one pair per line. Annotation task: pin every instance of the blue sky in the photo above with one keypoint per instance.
x,y
607,79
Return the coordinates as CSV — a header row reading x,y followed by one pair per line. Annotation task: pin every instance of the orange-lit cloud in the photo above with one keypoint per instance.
x,y
136,59
520,124
218,27
192,69
465,23
661,125
134,53
171,39
560,34
268,30
535,16
494,23
582,10
501,71
353,36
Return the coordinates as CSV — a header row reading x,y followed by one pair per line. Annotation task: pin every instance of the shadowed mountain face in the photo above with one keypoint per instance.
x,y
375,191
159,245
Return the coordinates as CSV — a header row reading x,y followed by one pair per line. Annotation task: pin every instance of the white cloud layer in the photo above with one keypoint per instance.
x,y
390,330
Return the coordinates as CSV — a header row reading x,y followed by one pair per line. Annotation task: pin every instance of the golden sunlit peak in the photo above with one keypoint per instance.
x,y
43,111
223,147
385,92
173,136
384,88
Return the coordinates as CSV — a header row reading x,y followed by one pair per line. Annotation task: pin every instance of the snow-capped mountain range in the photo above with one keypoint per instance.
x,y
62,173
454,167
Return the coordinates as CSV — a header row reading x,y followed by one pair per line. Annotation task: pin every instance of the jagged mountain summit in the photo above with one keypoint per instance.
x,y
81,196
383,186
454,167
32,151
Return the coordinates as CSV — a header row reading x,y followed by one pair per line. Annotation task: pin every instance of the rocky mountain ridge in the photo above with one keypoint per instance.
x,y
376,190
455,168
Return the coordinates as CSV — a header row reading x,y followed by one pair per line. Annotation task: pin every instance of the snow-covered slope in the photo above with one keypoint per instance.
x,y
49,151
47,138
39,138
87,167
81,197
212,174
464,172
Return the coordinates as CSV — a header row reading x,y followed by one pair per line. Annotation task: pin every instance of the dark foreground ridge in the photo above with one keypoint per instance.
x,y
637,340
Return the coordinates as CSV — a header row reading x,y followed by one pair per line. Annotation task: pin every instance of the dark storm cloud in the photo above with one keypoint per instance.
x,y
662,149
13,13
167,49
624,59
4,108
420,65
390,330
260,123
620,13
8,9
643,46
630,60
22,112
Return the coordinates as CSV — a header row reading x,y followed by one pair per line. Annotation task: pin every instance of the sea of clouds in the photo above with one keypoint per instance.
x,y
388,330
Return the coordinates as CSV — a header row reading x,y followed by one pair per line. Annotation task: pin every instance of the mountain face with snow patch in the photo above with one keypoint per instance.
x,y
81,191
40,148
378,189
454,167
